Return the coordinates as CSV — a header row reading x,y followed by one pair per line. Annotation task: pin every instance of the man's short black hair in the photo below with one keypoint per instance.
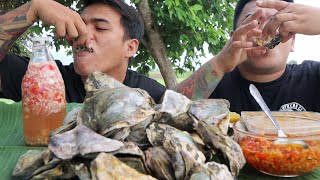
x,y
130,20
239,8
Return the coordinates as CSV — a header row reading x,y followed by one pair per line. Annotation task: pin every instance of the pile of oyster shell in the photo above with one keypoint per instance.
x,y
120,133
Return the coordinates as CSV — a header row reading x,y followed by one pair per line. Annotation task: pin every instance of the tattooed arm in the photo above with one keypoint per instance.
x,y
13,24
202,83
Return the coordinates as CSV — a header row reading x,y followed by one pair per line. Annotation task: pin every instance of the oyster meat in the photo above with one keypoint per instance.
x,y
270,42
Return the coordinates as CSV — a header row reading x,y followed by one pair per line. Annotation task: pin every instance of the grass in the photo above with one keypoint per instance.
x,y
156,75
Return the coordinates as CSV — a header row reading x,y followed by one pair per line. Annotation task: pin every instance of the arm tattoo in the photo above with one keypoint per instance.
x,y
201,83
12,25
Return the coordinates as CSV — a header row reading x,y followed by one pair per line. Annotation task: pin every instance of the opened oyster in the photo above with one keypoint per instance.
x,y
121,133
270,42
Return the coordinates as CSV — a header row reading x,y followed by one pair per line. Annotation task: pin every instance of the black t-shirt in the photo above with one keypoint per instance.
x,y
298,89
13,68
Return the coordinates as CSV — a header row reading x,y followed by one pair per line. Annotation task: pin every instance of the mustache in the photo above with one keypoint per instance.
x,y
82,48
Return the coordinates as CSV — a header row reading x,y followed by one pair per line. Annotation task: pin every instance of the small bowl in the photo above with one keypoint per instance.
x,y
256,136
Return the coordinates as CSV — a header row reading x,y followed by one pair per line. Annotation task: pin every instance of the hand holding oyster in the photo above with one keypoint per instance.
x,y
270,42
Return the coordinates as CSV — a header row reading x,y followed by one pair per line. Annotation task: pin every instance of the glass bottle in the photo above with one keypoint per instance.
x,y
43,95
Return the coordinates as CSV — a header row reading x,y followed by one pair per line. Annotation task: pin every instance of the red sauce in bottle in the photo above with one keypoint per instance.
x,y
43,97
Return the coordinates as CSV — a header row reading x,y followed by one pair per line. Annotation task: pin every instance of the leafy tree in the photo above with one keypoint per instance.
x,y
176,31
177,27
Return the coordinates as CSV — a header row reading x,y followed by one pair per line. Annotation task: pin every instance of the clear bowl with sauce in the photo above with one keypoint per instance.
x,y
256,136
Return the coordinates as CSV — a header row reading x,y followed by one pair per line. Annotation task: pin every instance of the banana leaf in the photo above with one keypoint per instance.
x,y
12,145
11,136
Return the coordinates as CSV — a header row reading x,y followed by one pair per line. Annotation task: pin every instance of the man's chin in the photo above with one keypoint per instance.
x,y
81,69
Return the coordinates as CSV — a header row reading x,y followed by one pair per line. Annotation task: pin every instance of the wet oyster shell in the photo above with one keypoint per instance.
x,y
29,162
212,111
81,140
230,149
159,163
175,141
174,111
104,112
133,156
98,81
107,166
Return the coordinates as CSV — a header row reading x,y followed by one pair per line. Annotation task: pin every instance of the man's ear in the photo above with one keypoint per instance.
x,y
132,47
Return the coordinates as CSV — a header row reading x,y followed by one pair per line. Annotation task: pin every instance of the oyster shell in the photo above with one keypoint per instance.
x,y
179,112
230,149
174,141
159,163
270,42
108,116
29,162
133,156
98,81
209,170
81,140
80,170
39,163
61,171
174,111
212,111
106,166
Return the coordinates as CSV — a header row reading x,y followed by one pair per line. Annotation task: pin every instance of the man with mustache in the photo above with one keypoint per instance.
x,y
109,29
242,62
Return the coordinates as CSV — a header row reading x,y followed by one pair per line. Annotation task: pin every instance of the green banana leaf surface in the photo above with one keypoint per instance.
x,y
12,145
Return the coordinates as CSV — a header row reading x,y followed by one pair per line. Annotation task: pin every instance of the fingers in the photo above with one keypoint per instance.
x,y
256,51
275,23
82,34
244,29
287,37
254,33
237,45
274,4
68,23
254,16
60,29
71,33
248,25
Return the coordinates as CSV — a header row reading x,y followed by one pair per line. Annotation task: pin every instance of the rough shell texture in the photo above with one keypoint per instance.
x,y
106,166
116,108
98,81
214,139
159,163
81,140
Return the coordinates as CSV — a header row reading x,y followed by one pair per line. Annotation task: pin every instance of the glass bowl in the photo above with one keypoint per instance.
x,y
257,134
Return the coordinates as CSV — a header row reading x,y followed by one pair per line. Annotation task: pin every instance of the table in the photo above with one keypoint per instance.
x,y
12,145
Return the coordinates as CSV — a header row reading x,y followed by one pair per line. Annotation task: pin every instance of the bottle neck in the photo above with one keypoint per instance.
x,y
40,54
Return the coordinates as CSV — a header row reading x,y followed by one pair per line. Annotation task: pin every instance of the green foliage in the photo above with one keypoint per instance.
x,y
185,25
